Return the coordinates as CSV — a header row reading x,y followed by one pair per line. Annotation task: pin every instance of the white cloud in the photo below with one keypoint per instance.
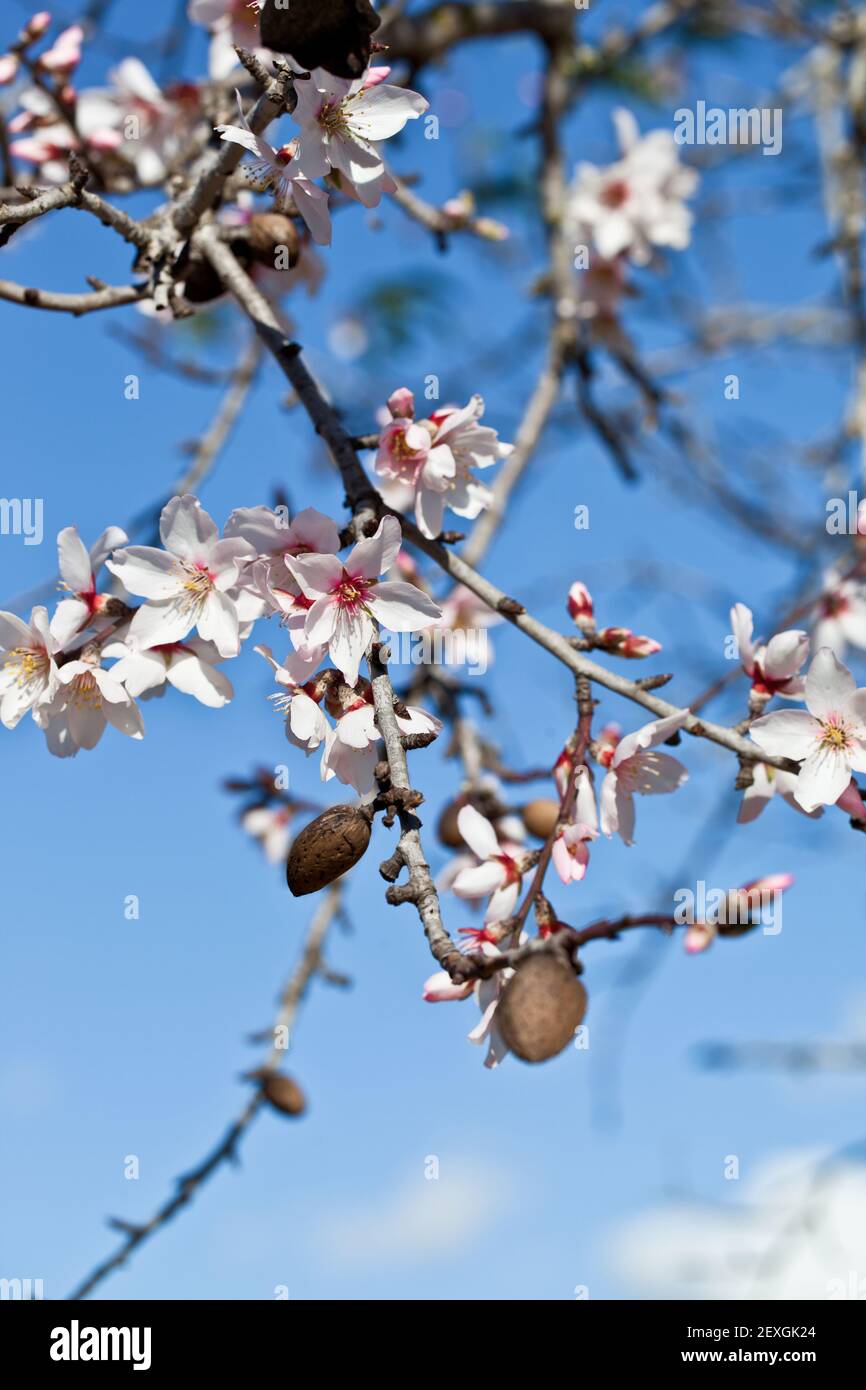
x,y
796,1230
420,1219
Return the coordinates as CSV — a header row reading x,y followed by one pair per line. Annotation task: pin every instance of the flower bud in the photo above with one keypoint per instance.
x,y
621,641
491,230
699,937
327,848
440,987
401,404
540,1007
9,65
37,25
852,802
580,603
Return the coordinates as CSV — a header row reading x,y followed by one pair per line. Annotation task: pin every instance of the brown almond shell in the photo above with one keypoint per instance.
x,y
326,848
540,1007
540,816
284,1094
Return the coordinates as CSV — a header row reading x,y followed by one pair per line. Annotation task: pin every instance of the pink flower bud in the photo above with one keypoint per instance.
x,y
37,25
623,642
9,65
562,770
65,54
579,601
459,208
851,802
373,76
770,883
401,404
440,987
699,937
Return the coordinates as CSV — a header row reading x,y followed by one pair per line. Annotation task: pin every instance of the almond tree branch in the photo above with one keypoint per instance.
x,y
106,297
437,221
309,965
72,195
367,505
419,889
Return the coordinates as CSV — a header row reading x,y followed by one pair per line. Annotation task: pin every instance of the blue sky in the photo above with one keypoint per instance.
x,y
126,1038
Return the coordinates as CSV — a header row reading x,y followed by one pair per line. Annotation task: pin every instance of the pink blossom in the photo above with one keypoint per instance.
x,y
766,782
86,700
352,748
299,698
773,666
278,170
435,458
348,601
188,666
341,124
841,617
639,201
636,769
28,670
440,988
828,737
499,873
78,570
571,851
187,584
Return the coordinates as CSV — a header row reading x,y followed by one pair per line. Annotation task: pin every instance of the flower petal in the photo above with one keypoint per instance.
x,y
823,778
186,529
786,733
373,556
146,571
74,560
402,607
477,832
828,684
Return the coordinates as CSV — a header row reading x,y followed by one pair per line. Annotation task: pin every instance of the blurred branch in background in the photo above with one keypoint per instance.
x,y
273,1088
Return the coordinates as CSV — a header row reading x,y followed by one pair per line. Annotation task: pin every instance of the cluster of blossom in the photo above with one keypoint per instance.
x,y
341,123
622,211
133,125
202,594
143,127
828,738
427,464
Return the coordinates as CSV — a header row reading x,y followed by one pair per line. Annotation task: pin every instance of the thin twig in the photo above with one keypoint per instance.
x,y
225,1151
